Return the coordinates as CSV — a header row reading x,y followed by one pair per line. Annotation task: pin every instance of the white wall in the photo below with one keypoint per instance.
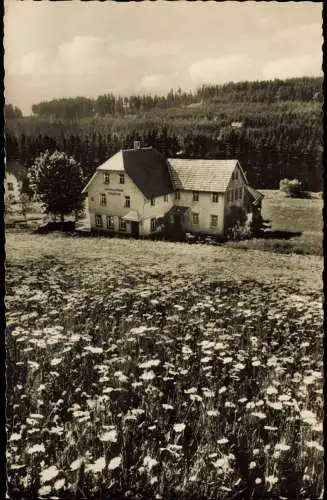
x,y
160,208
14,194
236,183
205,207
115,194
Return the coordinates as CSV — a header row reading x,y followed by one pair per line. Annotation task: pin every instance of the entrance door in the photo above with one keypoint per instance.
x,y
135,230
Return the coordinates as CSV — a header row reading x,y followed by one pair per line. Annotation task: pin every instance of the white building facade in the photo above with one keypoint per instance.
x,y
136,190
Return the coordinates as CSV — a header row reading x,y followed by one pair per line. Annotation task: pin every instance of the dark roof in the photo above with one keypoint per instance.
x,y
17,169
177,210
145,166
256,195
149,170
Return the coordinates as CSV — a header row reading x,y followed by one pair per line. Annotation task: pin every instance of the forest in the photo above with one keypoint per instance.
x,y
274,128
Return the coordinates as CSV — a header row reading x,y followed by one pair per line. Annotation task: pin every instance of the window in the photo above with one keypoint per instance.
x,y
178,195
110,222
240,193
127,201
10,186
121,179
215,197
106,178
195,196
122,225
214,221
153,202
153,224
231,195
236,174
98,221
236,193
195,218
103,200
166,198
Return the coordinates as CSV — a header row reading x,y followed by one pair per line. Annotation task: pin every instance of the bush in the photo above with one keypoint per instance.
x,y
292,188
236,224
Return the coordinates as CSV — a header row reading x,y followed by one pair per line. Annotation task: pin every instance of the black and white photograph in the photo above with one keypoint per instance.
x,y
163,211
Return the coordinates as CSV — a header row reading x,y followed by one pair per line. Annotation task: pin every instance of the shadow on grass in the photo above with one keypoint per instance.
x,y
279,235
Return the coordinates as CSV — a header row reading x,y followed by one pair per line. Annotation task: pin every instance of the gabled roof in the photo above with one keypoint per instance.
x,y
201,175
145,166
256,195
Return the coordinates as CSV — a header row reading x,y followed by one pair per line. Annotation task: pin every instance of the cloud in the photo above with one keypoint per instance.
x,y
140,47
218,70
305,65
303,33
154,82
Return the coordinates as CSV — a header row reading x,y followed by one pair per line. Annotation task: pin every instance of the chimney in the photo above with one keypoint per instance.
x,y
137,144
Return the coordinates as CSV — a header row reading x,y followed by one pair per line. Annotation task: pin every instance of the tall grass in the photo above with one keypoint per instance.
x,y
160,385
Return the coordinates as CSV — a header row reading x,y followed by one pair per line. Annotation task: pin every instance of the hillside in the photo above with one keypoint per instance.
x,y
273,128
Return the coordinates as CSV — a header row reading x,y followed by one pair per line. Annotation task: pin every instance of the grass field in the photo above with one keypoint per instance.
x,y
296,225
141,369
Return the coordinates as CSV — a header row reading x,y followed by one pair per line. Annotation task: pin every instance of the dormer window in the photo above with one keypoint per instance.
x,y
178,195
153,202
121,179
10,186
106,178
215,197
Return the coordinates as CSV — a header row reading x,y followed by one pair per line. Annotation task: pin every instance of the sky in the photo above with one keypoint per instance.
x,y
72,48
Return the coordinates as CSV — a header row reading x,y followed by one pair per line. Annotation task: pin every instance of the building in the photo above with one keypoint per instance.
x,y
15,174
138,191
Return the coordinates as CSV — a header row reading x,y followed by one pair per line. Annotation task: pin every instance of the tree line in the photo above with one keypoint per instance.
x,y
296,89
275,140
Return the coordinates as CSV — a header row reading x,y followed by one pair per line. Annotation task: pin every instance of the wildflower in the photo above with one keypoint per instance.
x,y
271,480
109,436
76,464
49,474
282,447
259,414
308,417
97,466
55,361
149,462
59,484
150,363
252,465
192,390
149,375
179,427
271,390
37,448
15,437
314,444
44,490
114,463
258,480
167,407
275,405
222,390
227,360
242,400
270,428
212,413
222,440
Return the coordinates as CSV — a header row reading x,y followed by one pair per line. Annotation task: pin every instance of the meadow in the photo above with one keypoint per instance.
x,y
142,369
